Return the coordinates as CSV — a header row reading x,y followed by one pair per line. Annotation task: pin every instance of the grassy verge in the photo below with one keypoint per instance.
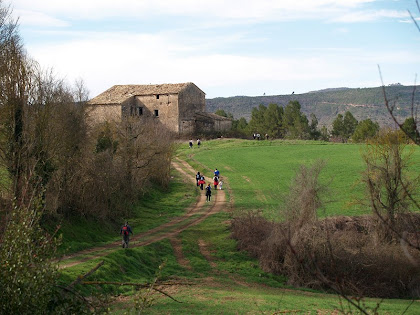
x,y
222,298
155,208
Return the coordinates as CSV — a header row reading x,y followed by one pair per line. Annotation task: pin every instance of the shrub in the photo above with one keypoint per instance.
x,y
390,190
27,273
342,254
251,230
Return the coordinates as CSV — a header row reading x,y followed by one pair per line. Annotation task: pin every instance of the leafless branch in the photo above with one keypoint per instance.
x,y
76,294
80,278
412,17
391,108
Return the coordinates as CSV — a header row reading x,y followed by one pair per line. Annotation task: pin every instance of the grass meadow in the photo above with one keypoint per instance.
x,y
231,282
260,172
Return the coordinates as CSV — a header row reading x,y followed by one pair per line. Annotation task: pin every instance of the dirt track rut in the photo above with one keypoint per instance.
x,y
200,210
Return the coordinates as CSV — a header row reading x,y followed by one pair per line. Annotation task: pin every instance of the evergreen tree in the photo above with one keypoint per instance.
x,y
314,133
409,127
221,112
257,123
350,124
241,124
338,127
273,121
295,122
344,126
366,129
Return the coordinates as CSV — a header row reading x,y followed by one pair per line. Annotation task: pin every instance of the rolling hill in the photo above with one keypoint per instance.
x,y
326,104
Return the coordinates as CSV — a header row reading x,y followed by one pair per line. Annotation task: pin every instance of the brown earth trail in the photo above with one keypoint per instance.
x,y
200,210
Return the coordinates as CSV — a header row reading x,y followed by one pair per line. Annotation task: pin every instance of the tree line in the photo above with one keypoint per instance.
x,y
56,166
49,149
291,123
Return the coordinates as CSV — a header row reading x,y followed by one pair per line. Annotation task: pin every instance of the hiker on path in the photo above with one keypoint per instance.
x,y
125,231
201,182
216,172
215,181
220,184
197,178
198,143
190,144
208,193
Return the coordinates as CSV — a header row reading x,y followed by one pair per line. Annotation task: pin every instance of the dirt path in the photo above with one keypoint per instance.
x,y
179,254
206,252
194,215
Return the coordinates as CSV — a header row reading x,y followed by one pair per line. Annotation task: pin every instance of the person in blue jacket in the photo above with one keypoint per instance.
x,y
216,172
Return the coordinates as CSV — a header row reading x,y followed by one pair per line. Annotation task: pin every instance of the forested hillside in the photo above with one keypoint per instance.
x,y
326,104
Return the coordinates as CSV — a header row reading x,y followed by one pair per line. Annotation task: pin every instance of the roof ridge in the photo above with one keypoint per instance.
x,y
118,93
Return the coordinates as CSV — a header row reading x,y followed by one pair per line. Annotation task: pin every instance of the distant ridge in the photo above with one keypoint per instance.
x,y
326,104
330,89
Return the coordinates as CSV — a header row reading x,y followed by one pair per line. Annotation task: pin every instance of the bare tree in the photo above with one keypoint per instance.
x,y
14,80
391,192
81,93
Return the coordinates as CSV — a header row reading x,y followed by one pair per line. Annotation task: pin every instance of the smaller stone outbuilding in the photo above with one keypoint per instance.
x,y
179,107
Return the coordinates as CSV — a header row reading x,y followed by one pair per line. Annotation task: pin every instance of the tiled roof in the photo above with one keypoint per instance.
x,y
119,93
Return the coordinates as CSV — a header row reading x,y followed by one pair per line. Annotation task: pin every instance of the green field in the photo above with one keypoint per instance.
x,y
260,172
257,175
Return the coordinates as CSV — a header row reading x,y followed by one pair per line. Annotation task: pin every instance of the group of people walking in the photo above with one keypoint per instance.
x,y
201,181
190,143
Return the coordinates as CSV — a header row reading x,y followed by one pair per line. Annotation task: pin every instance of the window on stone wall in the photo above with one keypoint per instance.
x,y
157,96
136,111
156,113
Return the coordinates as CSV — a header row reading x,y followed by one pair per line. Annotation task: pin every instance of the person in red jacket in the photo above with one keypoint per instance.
x,y
125,231
215,181
201,182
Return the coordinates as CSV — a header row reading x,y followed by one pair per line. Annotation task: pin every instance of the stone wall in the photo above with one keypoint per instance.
x,y
180,108
208,122
99,113
203,124
187,127
163,107
191,100
222,125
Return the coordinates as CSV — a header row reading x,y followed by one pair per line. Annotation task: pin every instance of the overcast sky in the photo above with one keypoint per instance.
x,y
226,47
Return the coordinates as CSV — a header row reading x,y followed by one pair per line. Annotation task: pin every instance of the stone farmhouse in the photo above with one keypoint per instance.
x,y
181,107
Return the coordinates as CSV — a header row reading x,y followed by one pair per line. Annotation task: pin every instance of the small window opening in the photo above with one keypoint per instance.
x,y
157,96
140,111
156,113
